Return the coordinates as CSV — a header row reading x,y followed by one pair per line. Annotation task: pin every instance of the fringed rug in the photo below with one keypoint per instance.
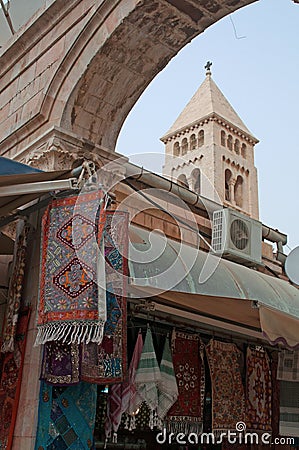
x,y
10,382
258,391
228,399
15,288
186,415
71,307
66,417
106,363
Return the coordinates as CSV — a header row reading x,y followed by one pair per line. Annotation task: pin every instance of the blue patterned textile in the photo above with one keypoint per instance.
x,y
66,417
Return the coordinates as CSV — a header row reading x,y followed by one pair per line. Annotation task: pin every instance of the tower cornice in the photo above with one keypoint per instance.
x,y
212,117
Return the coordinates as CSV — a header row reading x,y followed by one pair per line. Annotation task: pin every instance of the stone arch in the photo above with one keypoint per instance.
x,y
243,150
97,59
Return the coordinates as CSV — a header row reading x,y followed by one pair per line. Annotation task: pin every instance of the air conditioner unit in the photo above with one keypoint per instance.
x,y
237,237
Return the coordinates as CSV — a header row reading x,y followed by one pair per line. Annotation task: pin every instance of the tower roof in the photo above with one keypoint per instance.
x,y
207,100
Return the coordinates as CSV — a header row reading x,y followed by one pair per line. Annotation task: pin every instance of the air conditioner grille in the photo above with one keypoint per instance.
x,y
239,234
217,241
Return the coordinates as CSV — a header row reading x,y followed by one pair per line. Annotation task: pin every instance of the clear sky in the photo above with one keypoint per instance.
x,y
256,68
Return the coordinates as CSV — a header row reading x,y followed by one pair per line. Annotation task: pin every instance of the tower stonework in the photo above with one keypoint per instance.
x,y
210,150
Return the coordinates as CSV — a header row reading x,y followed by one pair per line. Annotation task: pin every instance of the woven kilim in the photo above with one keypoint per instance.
x,y
258,391
71,307
186,415
66,417
228,399
106,363
10,382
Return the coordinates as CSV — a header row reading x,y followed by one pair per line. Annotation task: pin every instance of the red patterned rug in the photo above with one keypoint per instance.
x,y
10,382
71,308
186,415
258,391
228,399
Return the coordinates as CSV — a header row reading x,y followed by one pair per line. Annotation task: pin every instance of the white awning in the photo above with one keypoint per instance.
x,y
174,272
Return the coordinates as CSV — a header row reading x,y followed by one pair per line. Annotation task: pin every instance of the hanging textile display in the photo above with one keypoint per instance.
x,y
15,288
258,390
186,415
106,363
66,417
275,394
289,409
167,386
148,376
122,397
288,365
228,399
61,363
10,382
71,307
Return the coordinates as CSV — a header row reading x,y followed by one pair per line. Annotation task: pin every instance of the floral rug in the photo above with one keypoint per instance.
x,y
228,399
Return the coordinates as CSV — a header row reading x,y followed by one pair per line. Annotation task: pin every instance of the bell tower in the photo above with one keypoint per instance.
x,y
209,148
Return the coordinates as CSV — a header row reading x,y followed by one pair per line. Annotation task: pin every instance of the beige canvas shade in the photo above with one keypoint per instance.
x,y
279,327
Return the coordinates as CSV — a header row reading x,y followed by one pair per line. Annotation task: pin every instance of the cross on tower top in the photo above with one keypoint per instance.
x,y
208,68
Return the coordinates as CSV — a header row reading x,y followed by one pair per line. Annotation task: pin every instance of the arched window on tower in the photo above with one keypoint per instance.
x,y
223,138
237,146
196,180
238,191
201,138
227,178
230,142
192,142
176,149
243,150
182,180
184,146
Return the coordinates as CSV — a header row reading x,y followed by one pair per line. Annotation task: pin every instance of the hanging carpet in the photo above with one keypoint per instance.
x,y
186,415
106,363
61,363
71,307
66,417
228,399
288,365
258,391
10,382
15,288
